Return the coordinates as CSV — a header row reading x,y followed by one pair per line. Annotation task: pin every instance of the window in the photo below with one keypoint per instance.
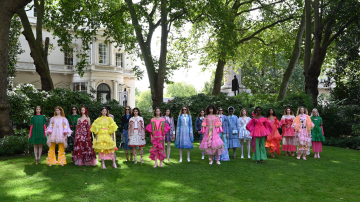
x,y
69,57
35,12
82,87
103,53
119,59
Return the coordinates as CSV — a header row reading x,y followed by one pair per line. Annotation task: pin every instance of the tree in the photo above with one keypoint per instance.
x,y
144,101
9,8
180,89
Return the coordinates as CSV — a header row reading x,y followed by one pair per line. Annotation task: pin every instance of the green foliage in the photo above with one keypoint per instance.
x,y
144,101
17,144
180,89
344,142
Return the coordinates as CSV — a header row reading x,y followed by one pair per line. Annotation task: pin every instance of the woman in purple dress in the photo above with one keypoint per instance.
x,y
169,136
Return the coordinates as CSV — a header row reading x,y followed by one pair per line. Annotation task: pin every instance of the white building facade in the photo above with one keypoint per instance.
x,y
110,72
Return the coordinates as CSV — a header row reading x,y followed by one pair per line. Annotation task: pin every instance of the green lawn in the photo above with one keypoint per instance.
x,y
334,177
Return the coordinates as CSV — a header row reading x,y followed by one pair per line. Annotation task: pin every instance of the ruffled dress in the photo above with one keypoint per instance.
x,y
303,126
60,130
171,132
288,134
259,128
184,133
212,143
136,132
274,139
84,153
317,134
37,133
244,133
157,129
104,144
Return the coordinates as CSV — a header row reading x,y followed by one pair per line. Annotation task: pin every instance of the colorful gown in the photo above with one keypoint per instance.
x,y
233,131
244,133
136,132
37,133
84,153
104,144
212,143
317,134
125,125
225,124
184,133
274,139
73,120
288,134
303,126
157,129
259,129
60,130
171,132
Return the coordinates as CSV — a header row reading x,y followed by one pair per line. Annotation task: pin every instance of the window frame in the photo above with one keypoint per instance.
x,y
105,60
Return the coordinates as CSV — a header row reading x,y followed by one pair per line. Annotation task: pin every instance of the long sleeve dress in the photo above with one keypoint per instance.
x,y
136,132
157,129
73,121
212,143
317,134
233,131
37,133
124,126
58,131
303,126
273,140
184,133
288,134
104,144
198,123
259,129
225,126
84,153
244,133
171,132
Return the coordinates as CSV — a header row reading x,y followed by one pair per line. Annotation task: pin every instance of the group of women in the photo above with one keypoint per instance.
x,y
217,132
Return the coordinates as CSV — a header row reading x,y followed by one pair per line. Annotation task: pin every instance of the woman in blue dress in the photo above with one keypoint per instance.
x,y
233,131
124,136
223,135
198,123
184,132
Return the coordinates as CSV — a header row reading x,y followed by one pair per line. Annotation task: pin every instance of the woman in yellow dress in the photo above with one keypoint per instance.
x,y
105,143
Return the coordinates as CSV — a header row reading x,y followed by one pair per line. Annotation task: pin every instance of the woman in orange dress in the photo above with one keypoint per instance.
x,y
274,139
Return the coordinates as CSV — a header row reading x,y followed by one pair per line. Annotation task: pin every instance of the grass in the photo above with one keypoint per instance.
x,y
334,177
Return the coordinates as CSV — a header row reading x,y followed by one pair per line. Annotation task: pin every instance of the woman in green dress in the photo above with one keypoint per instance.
x,y
73,120
317,133
37,135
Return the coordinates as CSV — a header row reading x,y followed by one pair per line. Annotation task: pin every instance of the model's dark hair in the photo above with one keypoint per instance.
x,y
77,110
132,113
291,111
170,115
257,109
154,113
40,110
268,112
201,111
108,107
208,107
107,111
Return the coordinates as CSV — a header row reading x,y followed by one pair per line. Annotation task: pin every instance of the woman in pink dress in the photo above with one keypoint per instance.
x,y
157,128
273,140
302,125
259,128
288,132
212,143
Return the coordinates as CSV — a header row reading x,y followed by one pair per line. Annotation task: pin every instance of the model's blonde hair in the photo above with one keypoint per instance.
x,y
298,110
62,113
317,112
247,114
187,110
291,111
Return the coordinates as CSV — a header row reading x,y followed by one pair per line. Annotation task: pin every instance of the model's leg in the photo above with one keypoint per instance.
x,y
161,165
61,156
262,149
103,163
51,159
242,148
218,159
36,152
156,162
256,155
234,153
210,159
141,154
126,154
248,143
168,150
181,151
114,160
188,155
134,152
40,152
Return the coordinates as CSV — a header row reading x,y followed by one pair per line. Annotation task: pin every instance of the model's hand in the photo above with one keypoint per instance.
x,y
173,137
227,135
122,136
199,132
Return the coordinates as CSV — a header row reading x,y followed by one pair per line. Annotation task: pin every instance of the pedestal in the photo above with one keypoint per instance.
x,y
226,88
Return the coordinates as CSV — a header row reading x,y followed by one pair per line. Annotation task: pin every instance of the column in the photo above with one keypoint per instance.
x,y
110,54
115,89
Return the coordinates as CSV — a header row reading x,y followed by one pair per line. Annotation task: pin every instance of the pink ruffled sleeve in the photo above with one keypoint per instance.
x,y
49,128
218,125
322,129
149,128
204,125
167,128
31,127
250,126
67,131
268,125
44,130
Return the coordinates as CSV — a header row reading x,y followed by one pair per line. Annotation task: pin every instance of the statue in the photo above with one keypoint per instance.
x,y
235,85
124,97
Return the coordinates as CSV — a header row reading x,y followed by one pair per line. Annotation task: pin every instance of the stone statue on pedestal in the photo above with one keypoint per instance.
x,y
233,83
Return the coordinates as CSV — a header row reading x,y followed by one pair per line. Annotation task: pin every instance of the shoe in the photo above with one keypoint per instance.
x,y
142,161
298,157
249,156
315,156
180,161
135,162
318,156
218,162
188,159
161,165
203,157
155,164
234,157
272,155
304,157
287,153
114,165
261,161
39,160
242,156
211,162
293,154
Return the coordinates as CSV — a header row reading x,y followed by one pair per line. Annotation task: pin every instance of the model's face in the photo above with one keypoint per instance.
x,y
184,110
221,111
271,111
302,110
315,112
202,113
104,112
258,112
136,112
57,111
288,111
83,110
243,113
157,112
231,111
211,110
167,112
38,110
73,110
127,110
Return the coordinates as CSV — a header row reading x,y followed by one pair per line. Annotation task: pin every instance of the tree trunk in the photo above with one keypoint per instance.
x,y
294,59
8,9
219,74
37,51
308,19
